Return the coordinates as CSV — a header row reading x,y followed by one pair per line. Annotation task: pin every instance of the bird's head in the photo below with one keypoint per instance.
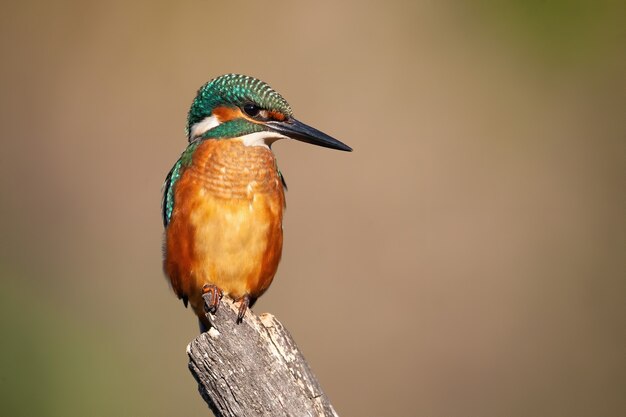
x,y
238,106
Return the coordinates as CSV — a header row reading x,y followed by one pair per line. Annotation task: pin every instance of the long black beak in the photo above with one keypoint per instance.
x,y
299,131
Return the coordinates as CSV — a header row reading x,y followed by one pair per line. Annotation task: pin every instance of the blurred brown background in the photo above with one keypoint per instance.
x,y
466,260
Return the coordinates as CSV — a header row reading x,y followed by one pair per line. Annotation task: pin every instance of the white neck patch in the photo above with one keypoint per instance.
x,y
203,126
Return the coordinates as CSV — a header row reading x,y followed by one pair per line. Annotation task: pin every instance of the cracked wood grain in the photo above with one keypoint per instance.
x,y
254,368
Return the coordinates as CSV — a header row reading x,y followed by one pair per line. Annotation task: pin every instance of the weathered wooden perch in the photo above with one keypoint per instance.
x,y
254,368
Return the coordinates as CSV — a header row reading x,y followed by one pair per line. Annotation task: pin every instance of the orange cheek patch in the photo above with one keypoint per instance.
x,y
224,114
276,115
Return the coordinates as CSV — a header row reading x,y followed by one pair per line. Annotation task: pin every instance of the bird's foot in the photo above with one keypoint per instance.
x,y
212,296
244,302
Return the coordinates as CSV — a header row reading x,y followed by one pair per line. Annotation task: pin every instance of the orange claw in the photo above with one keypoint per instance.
x,y
243,307
212,296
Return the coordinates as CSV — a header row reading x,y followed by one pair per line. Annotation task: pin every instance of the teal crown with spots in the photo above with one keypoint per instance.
x,y
234,90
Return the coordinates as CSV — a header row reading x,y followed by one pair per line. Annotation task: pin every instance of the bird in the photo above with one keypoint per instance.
x,y
224,198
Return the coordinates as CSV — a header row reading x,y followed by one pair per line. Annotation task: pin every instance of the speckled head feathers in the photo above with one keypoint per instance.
x,y
234,90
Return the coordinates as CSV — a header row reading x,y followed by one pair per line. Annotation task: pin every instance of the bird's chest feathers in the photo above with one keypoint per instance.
x,y
229,169
233,197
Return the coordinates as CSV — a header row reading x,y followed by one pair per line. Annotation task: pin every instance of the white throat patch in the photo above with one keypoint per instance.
x,y
264,138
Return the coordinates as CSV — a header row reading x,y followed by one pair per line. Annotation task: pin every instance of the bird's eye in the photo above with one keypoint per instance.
x,y
251,110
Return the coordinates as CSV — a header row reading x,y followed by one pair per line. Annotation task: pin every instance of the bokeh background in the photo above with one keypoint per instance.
x,y
466,260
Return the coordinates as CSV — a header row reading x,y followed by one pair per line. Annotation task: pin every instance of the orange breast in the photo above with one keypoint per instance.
x,y
226,226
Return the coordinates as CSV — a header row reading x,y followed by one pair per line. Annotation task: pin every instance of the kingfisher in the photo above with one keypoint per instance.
x,y
223,200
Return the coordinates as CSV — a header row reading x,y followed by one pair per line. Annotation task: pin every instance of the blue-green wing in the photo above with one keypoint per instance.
x,y
167,203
